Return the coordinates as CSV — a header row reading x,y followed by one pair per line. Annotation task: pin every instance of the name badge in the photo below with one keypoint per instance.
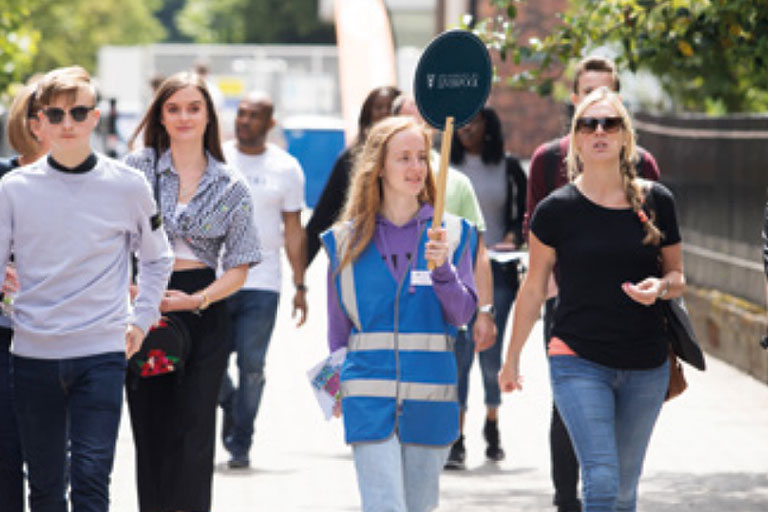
x,y
421,278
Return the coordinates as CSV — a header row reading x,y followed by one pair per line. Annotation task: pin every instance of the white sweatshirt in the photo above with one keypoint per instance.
x,y
72,235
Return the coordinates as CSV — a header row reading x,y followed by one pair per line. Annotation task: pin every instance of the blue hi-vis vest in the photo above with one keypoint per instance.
x,y
399,375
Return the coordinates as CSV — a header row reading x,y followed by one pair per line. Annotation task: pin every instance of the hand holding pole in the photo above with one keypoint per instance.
x,y
442,178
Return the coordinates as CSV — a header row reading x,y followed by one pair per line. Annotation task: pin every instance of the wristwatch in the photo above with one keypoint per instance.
x,y
664,292
488,309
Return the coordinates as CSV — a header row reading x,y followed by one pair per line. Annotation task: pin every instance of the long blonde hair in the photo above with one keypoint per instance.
x,y
633,188
365,192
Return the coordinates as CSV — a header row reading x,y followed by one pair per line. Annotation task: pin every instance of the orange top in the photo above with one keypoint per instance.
x,y
557,347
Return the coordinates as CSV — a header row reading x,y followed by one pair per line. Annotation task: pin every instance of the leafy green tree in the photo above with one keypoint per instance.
x,y
254,21
18,42
709,55
167,15
72,31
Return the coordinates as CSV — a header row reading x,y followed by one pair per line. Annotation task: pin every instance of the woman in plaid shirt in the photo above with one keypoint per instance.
x,y
204,208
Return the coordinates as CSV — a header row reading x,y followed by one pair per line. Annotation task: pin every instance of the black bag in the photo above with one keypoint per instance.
x,y
167,345
165,349
681,335
682,345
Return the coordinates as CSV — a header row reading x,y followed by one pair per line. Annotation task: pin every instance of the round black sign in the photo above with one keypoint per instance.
x,y
453,78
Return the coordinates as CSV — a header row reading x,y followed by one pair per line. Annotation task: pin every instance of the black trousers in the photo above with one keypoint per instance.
x,y
11,461
174,416
565,465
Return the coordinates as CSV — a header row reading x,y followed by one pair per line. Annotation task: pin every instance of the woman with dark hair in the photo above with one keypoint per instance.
x,y
500,185
205,208
30,144
377,106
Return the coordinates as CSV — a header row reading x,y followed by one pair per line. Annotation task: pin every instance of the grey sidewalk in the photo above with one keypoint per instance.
x,y
709,452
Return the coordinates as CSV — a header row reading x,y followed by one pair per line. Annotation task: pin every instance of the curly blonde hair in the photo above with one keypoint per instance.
x,y
365,192
633,188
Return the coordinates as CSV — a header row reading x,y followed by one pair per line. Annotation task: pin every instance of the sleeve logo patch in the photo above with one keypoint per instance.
x,y
156,221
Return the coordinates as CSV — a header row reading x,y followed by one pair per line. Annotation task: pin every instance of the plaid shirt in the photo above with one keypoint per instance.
x,y
220,213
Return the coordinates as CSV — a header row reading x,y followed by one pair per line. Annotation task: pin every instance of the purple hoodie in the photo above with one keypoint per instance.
x,y
454,286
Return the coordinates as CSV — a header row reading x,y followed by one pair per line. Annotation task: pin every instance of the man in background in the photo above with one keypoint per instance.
x,y
276,182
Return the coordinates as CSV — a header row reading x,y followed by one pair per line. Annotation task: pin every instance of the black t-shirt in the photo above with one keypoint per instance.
x,y
597,250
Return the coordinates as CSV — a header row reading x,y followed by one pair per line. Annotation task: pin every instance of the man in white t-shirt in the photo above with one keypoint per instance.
x,y
276,181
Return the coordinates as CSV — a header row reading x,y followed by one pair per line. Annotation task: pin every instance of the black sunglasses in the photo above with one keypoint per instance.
x,y
56,115
608,124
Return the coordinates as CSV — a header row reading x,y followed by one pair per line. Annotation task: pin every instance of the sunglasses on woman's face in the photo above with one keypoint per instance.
x,y
56,115
608,124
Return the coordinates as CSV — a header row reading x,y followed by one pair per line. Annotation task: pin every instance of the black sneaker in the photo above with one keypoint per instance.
x,y
239,462
494,451
571,504
457,455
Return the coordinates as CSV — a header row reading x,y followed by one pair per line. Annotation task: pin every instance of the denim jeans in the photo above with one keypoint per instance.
x,y
393,477
11,462
73,403
504,293
252,315
610,415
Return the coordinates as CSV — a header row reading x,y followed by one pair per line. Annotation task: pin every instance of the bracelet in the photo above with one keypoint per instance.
x,y
300,287
205,302
664,292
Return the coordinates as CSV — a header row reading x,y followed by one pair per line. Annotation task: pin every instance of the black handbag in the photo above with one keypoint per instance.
x,y
683,343
682,338
164,350
167,344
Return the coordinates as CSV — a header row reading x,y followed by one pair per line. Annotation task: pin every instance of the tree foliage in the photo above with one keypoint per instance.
x,y
18,42
73,31
38,35
254,21
167,14
709,55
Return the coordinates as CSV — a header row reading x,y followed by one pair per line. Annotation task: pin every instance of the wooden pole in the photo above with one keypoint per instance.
x,y
442,178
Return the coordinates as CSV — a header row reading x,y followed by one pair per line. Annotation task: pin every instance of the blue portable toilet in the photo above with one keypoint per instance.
x,y
316,142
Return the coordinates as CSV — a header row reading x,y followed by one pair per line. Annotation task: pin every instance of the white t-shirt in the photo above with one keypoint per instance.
x,y
276,181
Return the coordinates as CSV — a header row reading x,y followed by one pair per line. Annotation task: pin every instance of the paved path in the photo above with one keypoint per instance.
x,y
709,452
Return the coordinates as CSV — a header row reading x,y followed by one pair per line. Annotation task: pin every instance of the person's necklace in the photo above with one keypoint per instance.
x,y
187,189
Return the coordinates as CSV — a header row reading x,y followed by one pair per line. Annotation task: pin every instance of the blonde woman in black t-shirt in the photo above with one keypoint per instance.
x,y
608,351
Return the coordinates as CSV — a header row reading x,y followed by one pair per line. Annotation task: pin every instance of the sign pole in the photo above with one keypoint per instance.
x,y
442,178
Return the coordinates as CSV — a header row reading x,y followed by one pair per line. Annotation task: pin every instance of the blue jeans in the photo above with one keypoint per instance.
x,y
73,403
504,292
393,477
11,462
610,415
252,315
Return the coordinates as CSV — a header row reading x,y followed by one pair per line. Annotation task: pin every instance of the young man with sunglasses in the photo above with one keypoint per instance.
x,y
73,219
547,173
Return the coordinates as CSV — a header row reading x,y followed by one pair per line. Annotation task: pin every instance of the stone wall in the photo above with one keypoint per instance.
x,y
729,329
716,167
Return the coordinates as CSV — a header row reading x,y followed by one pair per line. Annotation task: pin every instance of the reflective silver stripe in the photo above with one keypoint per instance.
x,y
386,341
428,392
408,390
369,387
347,277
